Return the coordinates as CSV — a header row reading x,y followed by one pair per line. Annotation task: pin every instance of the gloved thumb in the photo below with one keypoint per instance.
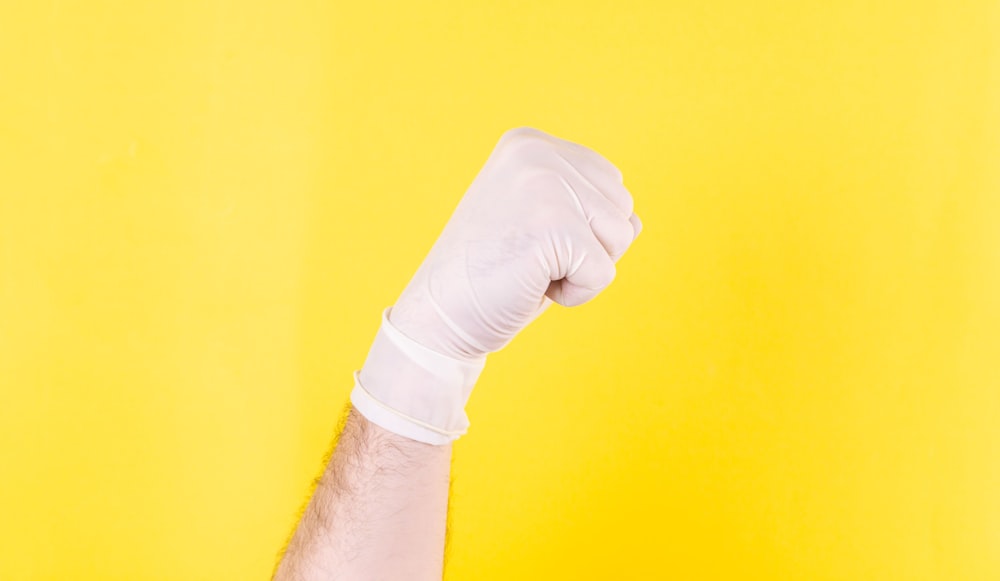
x,y
589,271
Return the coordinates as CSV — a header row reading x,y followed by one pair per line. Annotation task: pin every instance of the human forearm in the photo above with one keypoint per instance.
x,y
378,512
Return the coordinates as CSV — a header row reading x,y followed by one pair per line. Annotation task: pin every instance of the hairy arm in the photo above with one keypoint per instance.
x,y
378,512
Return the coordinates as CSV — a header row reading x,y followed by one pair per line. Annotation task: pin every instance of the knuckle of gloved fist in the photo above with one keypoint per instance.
x,y
520,132
616,234
602,164
606,276
629,202
620,197
526,148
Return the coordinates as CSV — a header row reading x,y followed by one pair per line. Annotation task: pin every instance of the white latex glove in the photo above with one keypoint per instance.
x,y
545,220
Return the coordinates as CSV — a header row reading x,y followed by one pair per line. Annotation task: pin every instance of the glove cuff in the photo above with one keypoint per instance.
x,y
413,391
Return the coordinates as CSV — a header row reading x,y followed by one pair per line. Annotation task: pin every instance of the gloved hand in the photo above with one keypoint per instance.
x,y
545,220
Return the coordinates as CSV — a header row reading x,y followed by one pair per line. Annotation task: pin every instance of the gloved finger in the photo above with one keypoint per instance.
x,y
590,270
606,180
636,225
595,159
613,229
614,233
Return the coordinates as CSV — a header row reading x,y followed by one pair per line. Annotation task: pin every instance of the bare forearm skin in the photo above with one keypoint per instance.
x,y
378,512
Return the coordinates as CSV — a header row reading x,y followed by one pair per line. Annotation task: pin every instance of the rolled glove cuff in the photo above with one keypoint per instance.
x,y
412,390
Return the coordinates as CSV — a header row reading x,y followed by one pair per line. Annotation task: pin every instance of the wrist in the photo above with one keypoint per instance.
x,y
420,318
410,389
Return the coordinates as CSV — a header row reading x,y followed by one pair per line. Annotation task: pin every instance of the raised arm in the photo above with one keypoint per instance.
x,y
545,220
378,511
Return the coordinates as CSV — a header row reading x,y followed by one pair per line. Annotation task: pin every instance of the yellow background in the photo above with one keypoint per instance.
x,y
205,205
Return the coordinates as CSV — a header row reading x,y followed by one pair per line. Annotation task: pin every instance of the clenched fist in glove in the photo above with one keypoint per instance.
x,y
545,220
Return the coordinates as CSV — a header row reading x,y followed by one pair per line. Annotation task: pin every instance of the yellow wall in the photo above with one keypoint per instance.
x,y
205,205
